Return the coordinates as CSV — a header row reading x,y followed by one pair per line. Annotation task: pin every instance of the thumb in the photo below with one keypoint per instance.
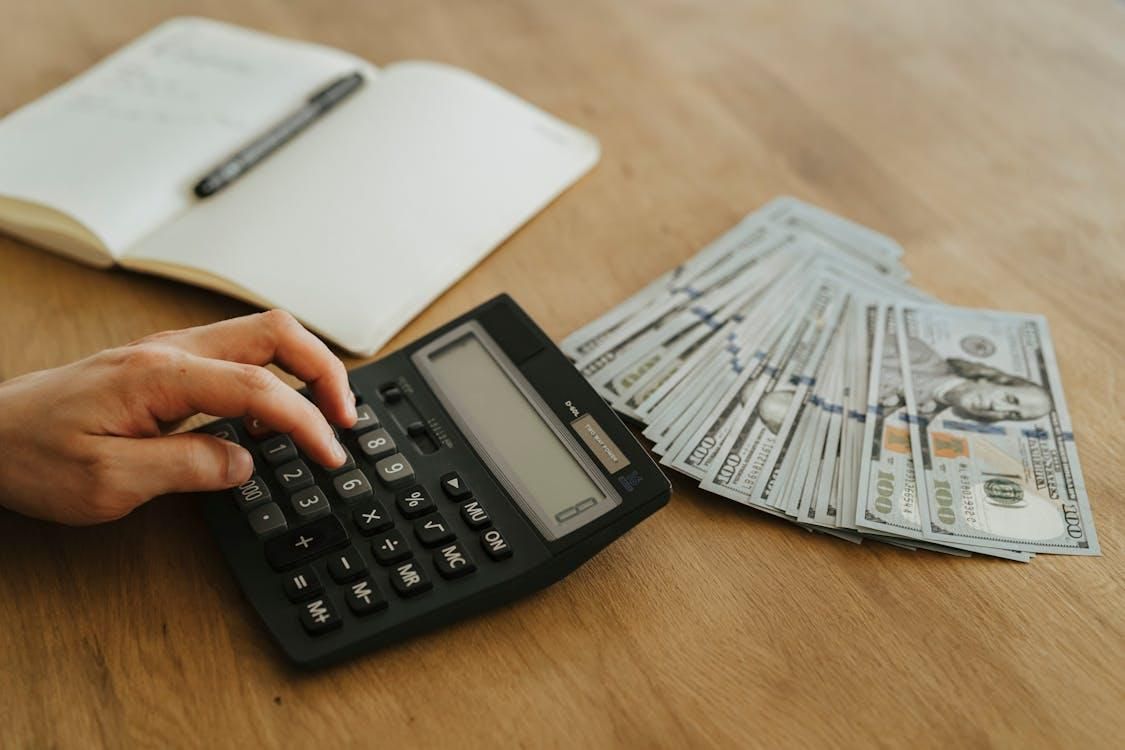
x,y
188,462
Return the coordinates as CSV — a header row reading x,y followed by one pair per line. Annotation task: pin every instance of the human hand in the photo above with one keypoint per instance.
x,y
86,442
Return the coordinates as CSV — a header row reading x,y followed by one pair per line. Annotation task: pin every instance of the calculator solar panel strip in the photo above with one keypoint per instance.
x,y
485,468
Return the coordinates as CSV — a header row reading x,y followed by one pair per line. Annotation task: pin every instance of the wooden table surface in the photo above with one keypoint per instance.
x,y
985,136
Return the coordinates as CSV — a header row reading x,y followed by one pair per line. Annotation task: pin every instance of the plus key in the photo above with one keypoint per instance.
x,y
305,543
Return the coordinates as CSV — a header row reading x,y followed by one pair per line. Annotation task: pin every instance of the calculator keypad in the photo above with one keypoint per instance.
x,y
475,515
348,465
371,518
267,520
302,584
279,450
395,471
495,544
310,503
454,486
377,444
453,561
363,597
319,616
294,476
325,573
390,548
345,565
414,502
352,486
432,530
365,419
305,543
409,579
222,430
251,493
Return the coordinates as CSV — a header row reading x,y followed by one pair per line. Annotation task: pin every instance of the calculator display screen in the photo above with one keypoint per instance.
x,y
510,426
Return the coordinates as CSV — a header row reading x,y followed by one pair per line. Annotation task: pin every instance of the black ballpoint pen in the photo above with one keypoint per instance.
x,y
243,161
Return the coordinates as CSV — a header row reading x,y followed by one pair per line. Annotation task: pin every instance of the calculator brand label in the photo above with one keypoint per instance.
x,y
599,443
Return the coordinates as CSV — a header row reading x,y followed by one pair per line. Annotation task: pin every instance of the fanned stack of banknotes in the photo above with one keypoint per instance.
x,y
789,367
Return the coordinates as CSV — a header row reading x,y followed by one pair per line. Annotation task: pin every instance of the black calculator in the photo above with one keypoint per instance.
x,y
482,467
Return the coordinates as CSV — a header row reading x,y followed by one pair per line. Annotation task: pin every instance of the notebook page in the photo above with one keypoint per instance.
x,y
120,147
366,217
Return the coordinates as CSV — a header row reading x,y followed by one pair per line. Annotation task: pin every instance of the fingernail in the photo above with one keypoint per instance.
x,y
338,451
239,465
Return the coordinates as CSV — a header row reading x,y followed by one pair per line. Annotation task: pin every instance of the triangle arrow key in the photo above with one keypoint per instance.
x,y
454,486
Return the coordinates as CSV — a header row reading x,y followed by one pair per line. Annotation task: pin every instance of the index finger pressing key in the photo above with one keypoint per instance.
x,y
276,336
229,389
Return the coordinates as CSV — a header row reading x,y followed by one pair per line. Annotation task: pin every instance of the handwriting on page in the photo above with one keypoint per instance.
x,y
152,118
177,79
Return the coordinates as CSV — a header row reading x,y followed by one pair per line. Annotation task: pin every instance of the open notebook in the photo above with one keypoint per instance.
x,y
354,226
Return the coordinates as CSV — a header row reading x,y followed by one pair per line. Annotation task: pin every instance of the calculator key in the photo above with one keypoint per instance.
x,y
352,486
433,530
390,548
495,544
475,515
302,584
267,520
414,502
251,493
395,471
363,597
453,561
348,465
319,616
222,430
365,419
377,444
310,503
305,543
278,450
409,579
294,476
346,564
454,486
257,428
371,518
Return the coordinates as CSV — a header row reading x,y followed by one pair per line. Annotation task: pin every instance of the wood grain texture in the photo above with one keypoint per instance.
x,y
984,135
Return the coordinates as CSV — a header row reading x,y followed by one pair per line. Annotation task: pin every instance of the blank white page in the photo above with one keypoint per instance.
x,y
120,147
367,216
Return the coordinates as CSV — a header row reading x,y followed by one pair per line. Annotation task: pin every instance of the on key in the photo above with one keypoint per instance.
x,y
305,543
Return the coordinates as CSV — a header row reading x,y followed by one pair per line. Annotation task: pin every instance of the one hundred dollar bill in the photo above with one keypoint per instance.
x,y
990,427
888,497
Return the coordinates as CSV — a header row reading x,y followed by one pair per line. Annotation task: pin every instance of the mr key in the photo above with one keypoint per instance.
x,y
482,468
